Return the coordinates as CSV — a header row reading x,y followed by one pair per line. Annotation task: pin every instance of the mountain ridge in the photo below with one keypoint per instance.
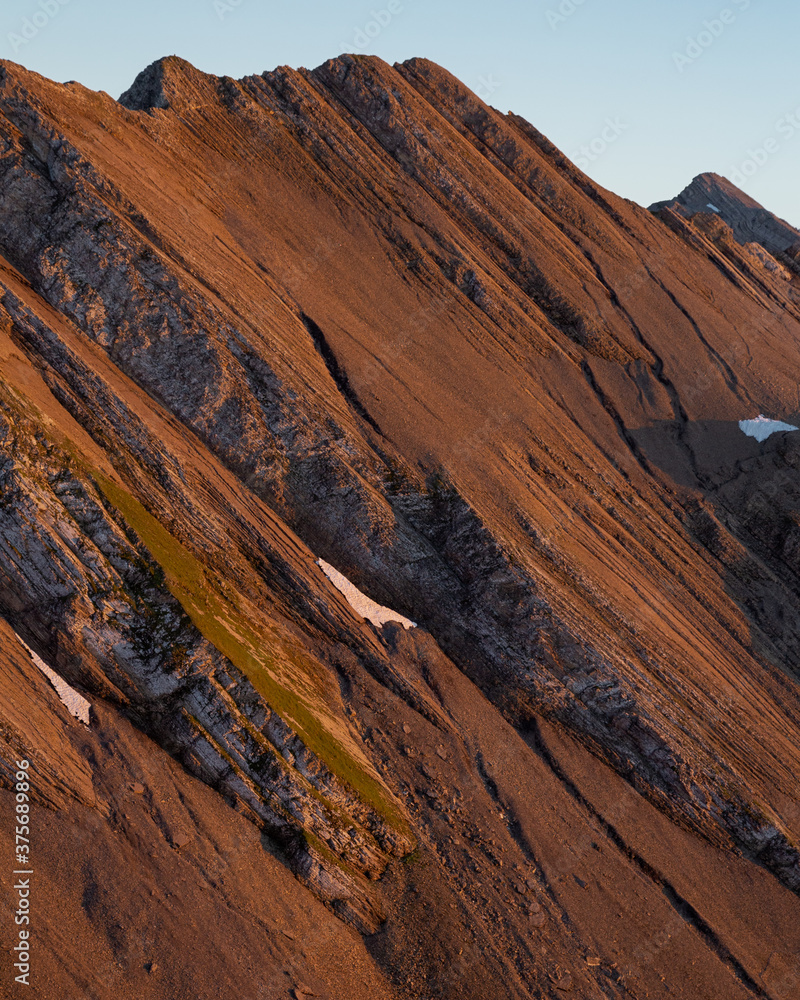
x,y
749,220
355,314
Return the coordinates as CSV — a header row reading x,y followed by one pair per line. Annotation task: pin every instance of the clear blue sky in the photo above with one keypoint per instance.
x,y
653,91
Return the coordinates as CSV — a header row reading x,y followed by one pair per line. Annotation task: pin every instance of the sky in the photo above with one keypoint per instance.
x,y
642,94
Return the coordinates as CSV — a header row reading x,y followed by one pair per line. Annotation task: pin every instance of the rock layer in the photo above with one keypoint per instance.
x,y
750,222
355,315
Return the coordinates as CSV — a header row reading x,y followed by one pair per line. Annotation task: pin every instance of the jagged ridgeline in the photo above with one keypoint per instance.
x,y
378,479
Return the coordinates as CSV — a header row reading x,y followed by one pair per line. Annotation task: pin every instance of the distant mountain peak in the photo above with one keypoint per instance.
x,y
162,84
749,220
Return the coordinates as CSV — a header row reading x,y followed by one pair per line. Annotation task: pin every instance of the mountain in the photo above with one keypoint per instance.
x,y
263,341
749,221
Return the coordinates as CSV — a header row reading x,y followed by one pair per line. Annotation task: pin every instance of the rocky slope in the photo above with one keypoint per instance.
x,y
356,315
749,222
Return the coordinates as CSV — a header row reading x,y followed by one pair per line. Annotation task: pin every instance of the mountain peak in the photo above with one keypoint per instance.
x,y
163,84
749,220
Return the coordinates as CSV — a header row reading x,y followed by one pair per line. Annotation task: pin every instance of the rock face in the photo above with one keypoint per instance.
x,y
749,221
355,315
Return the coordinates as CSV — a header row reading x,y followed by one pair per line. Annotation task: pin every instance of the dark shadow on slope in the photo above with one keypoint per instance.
x,y
336,371
743,508
698,453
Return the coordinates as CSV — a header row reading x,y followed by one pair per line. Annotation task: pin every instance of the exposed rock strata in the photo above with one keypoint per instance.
x,y
356,315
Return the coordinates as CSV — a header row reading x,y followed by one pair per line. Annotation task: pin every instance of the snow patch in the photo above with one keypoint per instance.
x,y
761,427
360,603
713,208
76,704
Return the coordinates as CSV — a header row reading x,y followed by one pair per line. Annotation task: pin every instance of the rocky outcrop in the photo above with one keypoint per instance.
x,y
74,568
386,327
749,221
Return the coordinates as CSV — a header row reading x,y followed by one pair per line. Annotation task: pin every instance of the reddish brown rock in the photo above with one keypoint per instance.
x,y
356,315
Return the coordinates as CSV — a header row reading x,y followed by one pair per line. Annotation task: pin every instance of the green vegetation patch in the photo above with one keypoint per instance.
x,y
224,625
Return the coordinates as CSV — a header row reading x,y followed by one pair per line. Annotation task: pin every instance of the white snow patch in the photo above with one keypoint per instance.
x,y
713,208
359,602
76,704
762,427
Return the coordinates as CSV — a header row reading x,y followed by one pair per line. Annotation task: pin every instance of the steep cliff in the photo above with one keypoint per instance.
x,y
356,315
